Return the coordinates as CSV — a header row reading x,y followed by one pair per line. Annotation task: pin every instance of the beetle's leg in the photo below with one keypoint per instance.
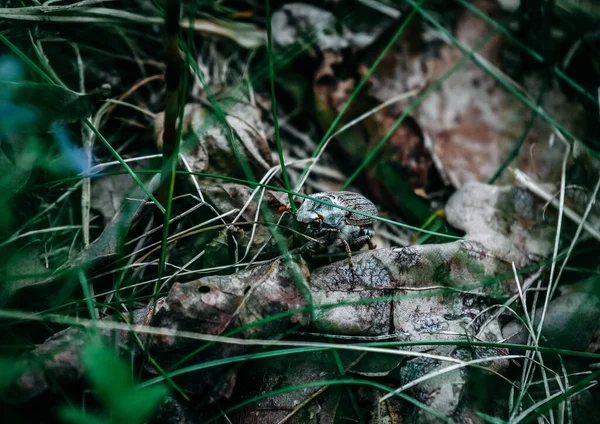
x,y
371,245
348,254
348,251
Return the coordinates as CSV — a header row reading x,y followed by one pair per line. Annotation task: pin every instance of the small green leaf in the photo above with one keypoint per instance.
x,y
111,379
107,372
137,405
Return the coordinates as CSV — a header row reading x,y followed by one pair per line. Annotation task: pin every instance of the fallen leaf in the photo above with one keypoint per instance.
x,y
206,146
571,321
24,269
508,221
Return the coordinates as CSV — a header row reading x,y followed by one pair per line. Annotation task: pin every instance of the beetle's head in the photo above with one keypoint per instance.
x,y
307,215
317,223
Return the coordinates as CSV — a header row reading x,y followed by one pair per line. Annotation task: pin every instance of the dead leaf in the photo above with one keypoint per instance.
x,y
57,359
205,143
313,26
472,120
219,304
414,277
108,193
475,122
24,268
442,393
390,411
107,245
320,404
572,320
507,221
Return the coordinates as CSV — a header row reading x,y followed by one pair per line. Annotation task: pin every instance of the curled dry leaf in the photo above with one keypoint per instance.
x,y
206,146
507,221
472,120
401,290
301,22
221,304
212,305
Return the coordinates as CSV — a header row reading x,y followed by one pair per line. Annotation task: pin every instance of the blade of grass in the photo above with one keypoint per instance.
x,y
173,124
359,86
124,165
87,289
517,147
538,409
284,172
358,382
434,86
87,122
557,71
502,80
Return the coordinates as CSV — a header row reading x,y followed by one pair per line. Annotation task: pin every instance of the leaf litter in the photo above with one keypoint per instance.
x,y
458,300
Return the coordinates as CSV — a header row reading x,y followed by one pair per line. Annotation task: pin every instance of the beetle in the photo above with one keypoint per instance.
x,y
331,225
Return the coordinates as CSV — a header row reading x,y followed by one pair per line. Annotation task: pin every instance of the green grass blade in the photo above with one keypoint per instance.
x,y
362,82
274,105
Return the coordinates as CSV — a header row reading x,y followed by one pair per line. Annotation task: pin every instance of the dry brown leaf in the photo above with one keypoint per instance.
x,y
508,221
205,143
